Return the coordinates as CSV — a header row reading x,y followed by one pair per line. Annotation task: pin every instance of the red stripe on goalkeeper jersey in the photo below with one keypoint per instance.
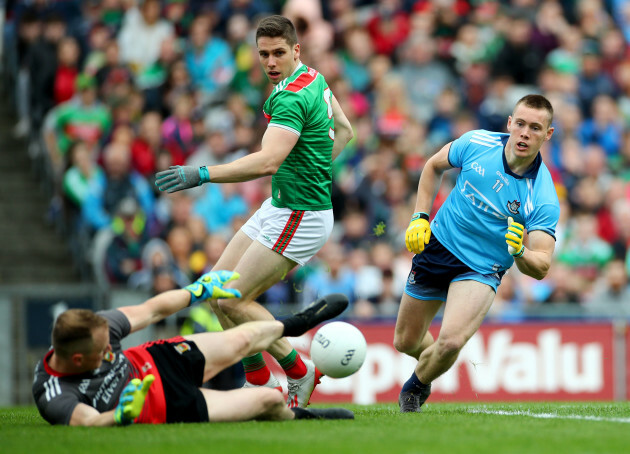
x,y
289,230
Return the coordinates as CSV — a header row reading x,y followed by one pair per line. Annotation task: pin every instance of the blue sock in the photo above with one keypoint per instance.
x,y
413,384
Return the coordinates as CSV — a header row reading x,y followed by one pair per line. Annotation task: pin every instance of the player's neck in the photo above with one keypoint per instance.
x,y
60,366
518,165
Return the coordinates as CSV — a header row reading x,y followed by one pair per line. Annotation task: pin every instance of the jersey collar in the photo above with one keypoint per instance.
x,y
50,371
531,172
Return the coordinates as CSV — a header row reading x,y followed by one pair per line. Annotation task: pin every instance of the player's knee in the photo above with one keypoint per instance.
x,y
405,344
450,345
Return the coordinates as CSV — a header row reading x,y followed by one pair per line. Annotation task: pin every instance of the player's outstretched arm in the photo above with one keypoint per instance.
x,y
534,260
276,143
84,415
209,286
343,129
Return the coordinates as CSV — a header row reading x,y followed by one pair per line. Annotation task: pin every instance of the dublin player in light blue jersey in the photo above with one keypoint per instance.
x,y
503,190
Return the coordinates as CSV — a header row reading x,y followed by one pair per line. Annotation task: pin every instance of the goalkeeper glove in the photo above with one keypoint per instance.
x,y
177,178
514,238
210,286
418,233
132,400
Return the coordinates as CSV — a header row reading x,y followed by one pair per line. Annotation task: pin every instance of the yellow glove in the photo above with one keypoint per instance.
x,y
514,238
418,233
132,400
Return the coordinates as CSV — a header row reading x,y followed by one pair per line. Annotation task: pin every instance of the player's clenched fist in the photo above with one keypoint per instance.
x,y
418,233
514,238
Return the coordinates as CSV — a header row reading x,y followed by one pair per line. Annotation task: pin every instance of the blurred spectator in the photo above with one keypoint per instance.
x,y
124,253
355,57
388,27
42,67
611,292
117,182
331,276
142,34
67,70
562,285
146,145
177,130
82,172
219,205
98,39
29,29
225,9
604,126
153,81
180,243
423,75
584,251
82,118
209,61
592,81
519,58
113,72
178,13
158,269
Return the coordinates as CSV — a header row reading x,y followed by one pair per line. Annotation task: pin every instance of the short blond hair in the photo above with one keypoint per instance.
x,y
72,331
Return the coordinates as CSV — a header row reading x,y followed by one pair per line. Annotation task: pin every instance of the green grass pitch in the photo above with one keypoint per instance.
x,y
540,428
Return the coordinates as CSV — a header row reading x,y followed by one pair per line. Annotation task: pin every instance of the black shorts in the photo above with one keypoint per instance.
x,y
181,365
433,270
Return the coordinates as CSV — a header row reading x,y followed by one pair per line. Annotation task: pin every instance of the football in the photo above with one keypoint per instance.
x,y
338,349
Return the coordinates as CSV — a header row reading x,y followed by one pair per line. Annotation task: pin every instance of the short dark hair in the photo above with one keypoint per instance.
x,y
277,26
537,102
73,331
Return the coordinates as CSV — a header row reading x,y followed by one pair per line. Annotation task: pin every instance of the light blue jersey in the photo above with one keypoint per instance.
x,y
472,222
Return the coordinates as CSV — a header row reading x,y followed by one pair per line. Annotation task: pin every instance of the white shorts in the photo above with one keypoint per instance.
x,y
297,235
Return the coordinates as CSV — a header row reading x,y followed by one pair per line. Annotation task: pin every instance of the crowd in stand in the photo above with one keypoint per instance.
x,y
112,91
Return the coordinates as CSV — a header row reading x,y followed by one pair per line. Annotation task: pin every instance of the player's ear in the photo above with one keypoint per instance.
x,y
296,51
549,133
509,123
77,359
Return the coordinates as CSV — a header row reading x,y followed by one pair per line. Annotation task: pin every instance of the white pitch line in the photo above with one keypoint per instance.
x,y
549,415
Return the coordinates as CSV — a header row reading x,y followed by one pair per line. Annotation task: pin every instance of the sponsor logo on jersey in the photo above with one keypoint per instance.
x,y
84,385
513,206
110,357
480,201
477,168
182,347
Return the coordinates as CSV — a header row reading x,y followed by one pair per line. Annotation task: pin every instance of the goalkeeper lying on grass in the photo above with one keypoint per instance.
x,y
86,379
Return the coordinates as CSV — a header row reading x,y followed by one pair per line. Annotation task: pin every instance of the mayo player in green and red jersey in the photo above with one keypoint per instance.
x,y
307,130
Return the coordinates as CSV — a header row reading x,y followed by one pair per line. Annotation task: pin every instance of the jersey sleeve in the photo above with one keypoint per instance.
x,y
288,111
119,326
458,148
544,217
58,410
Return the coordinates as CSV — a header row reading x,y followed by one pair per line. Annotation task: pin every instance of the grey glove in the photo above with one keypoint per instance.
x,y
177,178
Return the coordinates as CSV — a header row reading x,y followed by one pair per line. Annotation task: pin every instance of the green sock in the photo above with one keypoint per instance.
x,y
289,361
254,362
